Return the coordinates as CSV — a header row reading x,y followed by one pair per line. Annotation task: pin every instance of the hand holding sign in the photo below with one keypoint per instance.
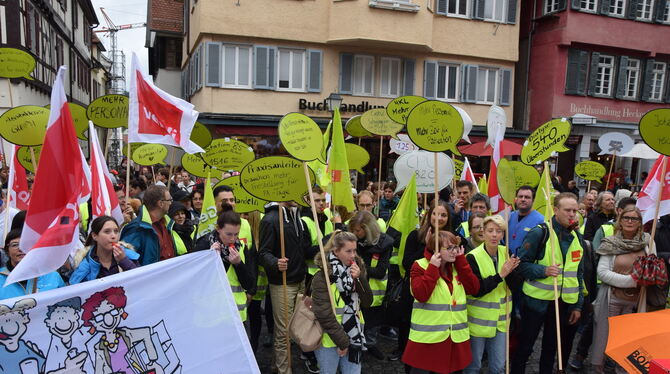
x,y
590,170
244,201
301,137
150,154
398,109
378,122
276,178
544,140
422,164
15,63
655,130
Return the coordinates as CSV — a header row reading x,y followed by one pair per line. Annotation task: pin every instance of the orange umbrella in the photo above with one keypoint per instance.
x,y
510,148
637,339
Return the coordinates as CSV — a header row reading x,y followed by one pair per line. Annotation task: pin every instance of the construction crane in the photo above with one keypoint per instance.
x,y
117,81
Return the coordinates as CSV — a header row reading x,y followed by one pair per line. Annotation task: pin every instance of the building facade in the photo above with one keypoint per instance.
x,y
603,62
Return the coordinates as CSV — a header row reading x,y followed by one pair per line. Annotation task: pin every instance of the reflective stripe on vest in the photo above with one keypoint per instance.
x,y
378,286
311,227
239,294
486,314
568,285
326,341
444,315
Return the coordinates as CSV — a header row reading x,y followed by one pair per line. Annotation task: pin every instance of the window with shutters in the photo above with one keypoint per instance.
x,y
487,85
363,75
588,5
390,77
236,66
447,81
604,76
495,10
551,6
644,8
632,79
291,70
666,12
658,81
458,8
617,8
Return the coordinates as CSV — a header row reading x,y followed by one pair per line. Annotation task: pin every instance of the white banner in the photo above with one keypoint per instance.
x,y
175,316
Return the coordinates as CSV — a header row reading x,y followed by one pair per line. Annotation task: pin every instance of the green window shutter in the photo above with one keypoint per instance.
x,y
213,65
604,7
505,87
511,11
593,73
441,7
646,83
346,73
430,79
469,85
575,77
314,64
621,78
409,66
631,12
479,6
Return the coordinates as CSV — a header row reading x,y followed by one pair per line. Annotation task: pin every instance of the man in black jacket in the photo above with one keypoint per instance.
x,y
603,211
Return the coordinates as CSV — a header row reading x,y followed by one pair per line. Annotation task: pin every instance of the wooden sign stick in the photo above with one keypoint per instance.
x,y
507,294
609,175
436,231
284,287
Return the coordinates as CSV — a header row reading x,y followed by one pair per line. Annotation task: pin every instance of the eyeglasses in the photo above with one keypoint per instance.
x,y
452,248
631,219
366,205
477,228
169,200
100,317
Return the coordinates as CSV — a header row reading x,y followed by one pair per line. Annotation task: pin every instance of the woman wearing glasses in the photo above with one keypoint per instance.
x,y
439,335
14,253
489,307
619,293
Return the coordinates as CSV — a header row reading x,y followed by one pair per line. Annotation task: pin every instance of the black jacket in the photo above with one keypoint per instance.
x,y
245,271
297,245
593,223
381,251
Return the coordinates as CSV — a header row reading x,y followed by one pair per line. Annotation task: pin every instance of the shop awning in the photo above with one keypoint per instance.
x,y
510,148
641,150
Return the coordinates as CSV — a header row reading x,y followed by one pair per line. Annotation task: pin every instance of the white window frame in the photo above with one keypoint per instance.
x,y
666,13
658,81
588,5
468,4
354,72
388,77
632,77
292,52
447,66
617,8
550,6
496,17
496,85
644,10
605,68
237,65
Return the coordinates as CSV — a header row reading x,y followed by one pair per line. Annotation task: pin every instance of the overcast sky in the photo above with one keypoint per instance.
x,y
123,12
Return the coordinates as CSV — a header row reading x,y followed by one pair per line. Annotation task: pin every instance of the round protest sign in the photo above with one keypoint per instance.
x,y
109,111
590,170
24,125
301,136
244,201
422,164
615,143
228,154
545,140
514,174
150,154
402,145
398,109
201,135
194,164
357,157
354,127
26,159
378,122
276,178
15,63
435,126
655,130
458,168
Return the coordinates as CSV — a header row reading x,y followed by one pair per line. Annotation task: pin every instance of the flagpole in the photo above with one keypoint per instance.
x,y
171,167
319,234
10,185
507,293
609,175
32,158
153,174
588,188
128,172
436,231
284,287
552,247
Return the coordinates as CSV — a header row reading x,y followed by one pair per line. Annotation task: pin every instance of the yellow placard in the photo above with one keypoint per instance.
x,y
194,164
524,175
458,168
276,178
398,109
435,126
655,130
150,154
377,122
354,127
15,63
133,147
545,140
109,111
228,154
24,125
301,137
79,117
357,157
244,201
201,135
590,170
25,158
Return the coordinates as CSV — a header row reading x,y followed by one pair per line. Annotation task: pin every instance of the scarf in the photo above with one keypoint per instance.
x,y
345,283
225,249
617,245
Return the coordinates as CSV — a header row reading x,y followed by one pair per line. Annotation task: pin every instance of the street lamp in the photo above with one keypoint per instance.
x,y
333,101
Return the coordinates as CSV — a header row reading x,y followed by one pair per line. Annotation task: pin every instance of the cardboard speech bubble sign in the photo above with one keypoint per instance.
x,y
422,164
399,108
24,125
276,178
467,123
201,135
402,145
357,157
228,154
612,142
435,126
194,164
301,137
244,201
26,159
149,154
458,168
654,129
15,63
378,122
545,140
590,170
354,127
109,111
514,174
496,119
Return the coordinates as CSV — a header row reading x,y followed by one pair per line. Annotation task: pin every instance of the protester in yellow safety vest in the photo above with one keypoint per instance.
x,y
375,248
238,259
325,224
182,225
490,309
479,203
365,202
343,337
476,238
438,338
224,195
540,271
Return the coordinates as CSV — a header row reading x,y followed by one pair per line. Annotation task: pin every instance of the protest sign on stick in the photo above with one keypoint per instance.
x,y
546,139
150,154
614,143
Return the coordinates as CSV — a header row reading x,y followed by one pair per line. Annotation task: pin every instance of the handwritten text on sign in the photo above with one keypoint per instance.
x,y
398,109
228,154
244,201
546,139
301,136
276,178
24,125
655,130
150,154
590,170
435,126
109,111
378,122
15,63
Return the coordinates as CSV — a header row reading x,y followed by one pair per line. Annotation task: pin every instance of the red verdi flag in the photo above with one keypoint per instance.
x,y
497,202
468,175
154,116
18,190
103,198
649,194
50,232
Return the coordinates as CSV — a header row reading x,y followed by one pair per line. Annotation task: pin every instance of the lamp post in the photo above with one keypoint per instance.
x,y
333,101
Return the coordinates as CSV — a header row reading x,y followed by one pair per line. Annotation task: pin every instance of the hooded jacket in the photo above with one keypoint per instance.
x,y
380,251
140,234
87,268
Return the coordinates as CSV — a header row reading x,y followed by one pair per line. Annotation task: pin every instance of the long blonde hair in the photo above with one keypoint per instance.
x,y
367,222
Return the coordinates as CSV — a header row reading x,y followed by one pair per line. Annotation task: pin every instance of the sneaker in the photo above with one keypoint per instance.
x,y
376,353
311,365
577,363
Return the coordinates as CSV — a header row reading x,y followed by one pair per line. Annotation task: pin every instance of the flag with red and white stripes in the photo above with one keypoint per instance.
x,y
468,175
19,194
497,202
104,201
649,193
